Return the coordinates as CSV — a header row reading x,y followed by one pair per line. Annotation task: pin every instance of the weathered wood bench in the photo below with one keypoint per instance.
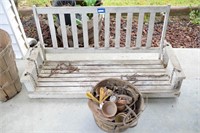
x,y
68,72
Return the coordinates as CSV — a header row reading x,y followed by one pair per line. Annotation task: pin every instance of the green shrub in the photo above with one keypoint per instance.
x,y
195,17
38,2
90,2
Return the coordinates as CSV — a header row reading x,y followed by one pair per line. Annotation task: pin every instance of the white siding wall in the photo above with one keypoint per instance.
x,y
9,21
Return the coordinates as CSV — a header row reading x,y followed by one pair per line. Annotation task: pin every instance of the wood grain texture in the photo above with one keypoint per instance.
x,y
74,30
52,31
63,30
175,63
129,29
140,28
150,30
107,30
37,22
116,9
117,30
150,76
96,30
85,30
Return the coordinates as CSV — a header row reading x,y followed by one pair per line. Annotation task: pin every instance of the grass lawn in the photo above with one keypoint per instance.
x,y
33,2
122,2
152,2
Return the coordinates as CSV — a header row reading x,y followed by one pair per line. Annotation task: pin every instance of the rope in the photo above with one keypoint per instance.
x,y
129,113
129,77
32,77
132,112
135,75
60,67
34,61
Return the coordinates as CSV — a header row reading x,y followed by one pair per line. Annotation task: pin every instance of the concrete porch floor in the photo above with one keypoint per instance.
x,y
178,115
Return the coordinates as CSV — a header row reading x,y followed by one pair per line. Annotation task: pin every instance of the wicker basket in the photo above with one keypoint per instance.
x,y
9,79
112,126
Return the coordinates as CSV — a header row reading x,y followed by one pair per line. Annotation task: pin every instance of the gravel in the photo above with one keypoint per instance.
x,y
180,32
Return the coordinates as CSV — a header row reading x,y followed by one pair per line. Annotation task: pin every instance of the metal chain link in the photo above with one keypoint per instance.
x,y
34,47
35,65
32,77
172,75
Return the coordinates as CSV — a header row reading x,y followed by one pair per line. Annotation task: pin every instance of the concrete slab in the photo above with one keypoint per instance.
x,y
179,115
190,62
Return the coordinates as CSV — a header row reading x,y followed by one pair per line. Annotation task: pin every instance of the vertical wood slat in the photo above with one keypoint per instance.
x,y
63,30
139,30
164,31
13,27
150,29
37,21
117,30
74,30
85,29
52,30
96,30
20,23
107,30
129,29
